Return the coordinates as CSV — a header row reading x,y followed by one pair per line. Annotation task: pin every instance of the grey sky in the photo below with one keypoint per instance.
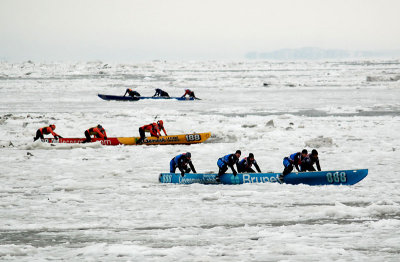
x,y
132,30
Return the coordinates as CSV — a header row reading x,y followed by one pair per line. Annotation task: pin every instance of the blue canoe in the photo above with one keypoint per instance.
x,y
336,177
129,98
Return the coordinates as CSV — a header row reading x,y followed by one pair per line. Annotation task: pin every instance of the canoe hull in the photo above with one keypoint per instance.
x,y
129,98
162,140
334,177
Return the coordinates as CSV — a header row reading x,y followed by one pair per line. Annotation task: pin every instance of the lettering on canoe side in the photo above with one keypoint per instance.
x,y
336,177
206,178
106,142
161,140
265,179
73,141
235,179
193,137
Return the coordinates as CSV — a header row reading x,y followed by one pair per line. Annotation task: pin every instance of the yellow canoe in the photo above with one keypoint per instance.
x,y
194,138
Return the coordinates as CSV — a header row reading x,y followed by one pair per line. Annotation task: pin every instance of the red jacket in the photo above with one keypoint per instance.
x,y
163,129
153,129
47,130
97,132
188,92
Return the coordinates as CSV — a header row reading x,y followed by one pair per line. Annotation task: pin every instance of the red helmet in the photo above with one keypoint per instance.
x,y
160,123
53,127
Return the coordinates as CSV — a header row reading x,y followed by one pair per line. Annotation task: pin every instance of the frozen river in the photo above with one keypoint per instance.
x,y
95,203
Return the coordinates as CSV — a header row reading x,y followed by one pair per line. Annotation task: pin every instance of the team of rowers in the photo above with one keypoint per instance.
x,y
302,161
159,92
99,132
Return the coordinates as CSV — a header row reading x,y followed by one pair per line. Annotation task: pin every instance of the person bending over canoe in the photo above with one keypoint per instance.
x,y
181,161
227,161
292,160
131,93
307,164
152,128
97,132
244,166
160,92
160,125
45,131
190,93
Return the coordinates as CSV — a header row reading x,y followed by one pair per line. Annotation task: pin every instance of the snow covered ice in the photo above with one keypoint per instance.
x,y
94,203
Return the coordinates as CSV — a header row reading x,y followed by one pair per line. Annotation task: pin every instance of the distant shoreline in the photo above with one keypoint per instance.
x,y
315,53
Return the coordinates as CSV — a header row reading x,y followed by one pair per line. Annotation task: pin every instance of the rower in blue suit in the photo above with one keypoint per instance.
x,y
227,161
181,161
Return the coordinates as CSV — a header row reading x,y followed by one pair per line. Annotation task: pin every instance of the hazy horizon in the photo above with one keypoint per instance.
x,y
47,30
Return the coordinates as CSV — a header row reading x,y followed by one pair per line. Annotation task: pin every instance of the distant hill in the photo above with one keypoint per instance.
x,y
314,53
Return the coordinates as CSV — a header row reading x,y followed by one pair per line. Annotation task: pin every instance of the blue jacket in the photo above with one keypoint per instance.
x,y
230,159
295,159
181,162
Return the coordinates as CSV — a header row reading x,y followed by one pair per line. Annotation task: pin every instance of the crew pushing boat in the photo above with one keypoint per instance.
x,y
97,132
153,128
181,161
245,165
131,93
161,93
190,93
46,131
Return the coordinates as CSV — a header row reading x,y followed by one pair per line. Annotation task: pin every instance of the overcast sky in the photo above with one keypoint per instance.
x,y
137,30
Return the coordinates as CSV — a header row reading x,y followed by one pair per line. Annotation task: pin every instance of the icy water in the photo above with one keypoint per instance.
x,y
96,203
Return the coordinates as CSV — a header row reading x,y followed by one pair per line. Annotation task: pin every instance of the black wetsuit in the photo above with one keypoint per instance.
x,y
289,162
38,135
225,162
131,93
160,92
307,163
244,166
181,162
